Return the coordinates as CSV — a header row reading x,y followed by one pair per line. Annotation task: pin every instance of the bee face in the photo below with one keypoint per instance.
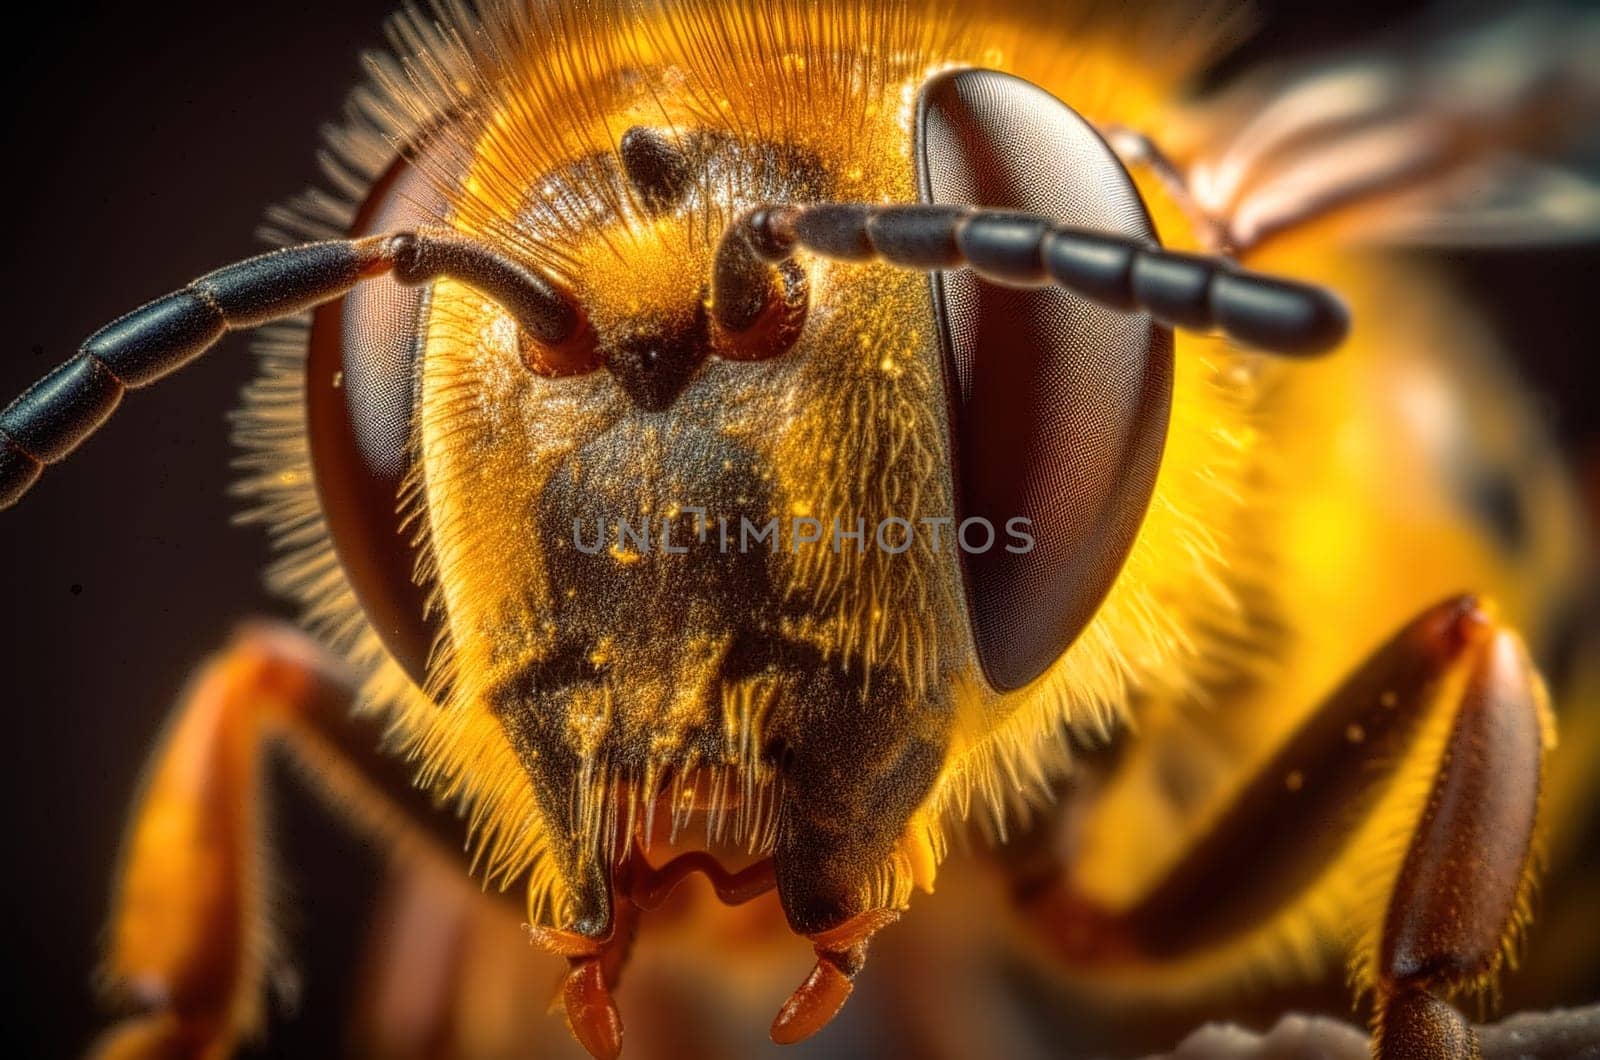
x,y
674,546
768,419
617,547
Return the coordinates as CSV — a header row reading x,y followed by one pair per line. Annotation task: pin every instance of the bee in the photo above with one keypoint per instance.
x,y
763,444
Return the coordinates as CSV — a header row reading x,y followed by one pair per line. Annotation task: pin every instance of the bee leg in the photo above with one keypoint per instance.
x,y
448,972
1462,891
1416,784
188,938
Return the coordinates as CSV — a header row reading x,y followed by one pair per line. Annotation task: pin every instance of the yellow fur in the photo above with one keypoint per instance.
x,y
529,88
1223,586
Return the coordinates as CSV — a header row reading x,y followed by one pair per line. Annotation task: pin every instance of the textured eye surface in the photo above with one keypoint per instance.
x,y
359,392
1060,407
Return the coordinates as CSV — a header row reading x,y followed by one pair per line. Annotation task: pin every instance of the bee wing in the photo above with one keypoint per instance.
x,y
1458,136
1507,202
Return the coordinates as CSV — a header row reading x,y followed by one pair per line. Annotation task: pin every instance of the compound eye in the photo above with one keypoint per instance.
x,y
361,375
1060,406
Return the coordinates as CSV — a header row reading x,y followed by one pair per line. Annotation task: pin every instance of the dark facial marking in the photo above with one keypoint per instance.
x,y
656,361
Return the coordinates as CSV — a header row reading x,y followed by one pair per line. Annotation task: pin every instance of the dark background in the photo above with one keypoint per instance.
x,y
142,143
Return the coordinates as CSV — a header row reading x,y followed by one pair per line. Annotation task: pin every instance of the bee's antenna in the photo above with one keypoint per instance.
x,y
1027,250
55,415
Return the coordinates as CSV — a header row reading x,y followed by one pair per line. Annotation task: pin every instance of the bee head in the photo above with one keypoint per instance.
x,y
1037,381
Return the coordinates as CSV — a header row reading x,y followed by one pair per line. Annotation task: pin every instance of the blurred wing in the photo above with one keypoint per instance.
x,y
1505,202
1459,135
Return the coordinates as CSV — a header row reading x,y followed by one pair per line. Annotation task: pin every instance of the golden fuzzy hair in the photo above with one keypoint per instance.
x,y
512,91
